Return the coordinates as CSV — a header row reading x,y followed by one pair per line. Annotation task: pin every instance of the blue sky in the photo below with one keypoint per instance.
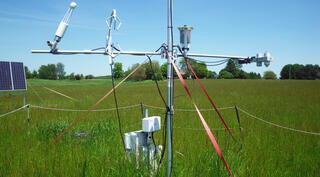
x,y
289,30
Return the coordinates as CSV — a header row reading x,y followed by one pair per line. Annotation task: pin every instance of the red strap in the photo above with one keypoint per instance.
x,y
204,123
204,90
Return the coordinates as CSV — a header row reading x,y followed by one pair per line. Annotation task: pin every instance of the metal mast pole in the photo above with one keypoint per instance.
x,y
169,90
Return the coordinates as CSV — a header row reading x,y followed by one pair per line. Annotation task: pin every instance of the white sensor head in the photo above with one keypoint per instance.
x,y
73,5
114,13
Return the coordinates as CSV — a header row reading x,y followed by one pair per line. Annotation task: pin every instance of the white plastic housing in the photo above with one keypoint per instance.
x,y
61,29
135,139
151,124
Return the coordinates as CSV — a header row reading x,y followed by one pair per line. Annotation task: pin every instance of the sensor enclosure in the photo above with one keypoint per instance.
x,y
185,38
151,124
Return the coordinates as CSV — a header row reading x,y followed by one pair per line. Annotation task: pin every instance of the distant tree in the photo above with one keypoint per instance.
x,y
231,68
286,72
156,69
298,71
199,68
241,74
35,74
77,77
270,75
139,75
223,74
48,72
157,76
89,76
27,72
72,76
163,69
253,75
81,75
212,75
118,71
60,71
209,74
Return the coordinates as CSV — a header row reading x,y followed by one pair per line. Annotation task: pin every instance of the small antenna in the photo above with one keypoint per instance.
x,y
62,28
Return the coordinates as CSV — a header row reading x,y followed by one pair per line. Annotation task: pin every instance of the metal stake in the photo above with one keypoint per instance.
x,y
235,107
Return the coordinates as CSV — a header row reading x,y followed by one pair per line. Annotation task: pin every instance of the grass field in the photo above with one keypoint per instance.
x,y
260,149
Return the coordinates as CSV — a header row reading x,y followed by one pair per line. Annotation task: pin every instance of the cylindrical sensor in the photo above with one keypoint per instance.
x,y
61,29
185,36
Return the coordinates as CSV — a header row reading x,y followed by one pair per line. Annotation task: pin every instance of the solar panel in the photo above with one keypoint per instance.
x,y
5,76
18,76
12,76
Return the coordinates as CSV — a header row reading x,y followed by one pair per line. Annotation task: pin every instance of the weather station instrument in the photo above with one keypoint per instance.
x,y
166,50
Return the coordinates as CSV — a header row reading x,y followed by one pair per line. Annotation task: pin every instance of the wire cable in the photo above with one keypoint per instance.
x,y
116,103
155,79
164,131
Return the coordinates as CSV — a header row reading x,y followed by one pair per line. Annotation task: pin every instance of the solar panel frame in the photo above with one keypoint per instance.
x,y
12,76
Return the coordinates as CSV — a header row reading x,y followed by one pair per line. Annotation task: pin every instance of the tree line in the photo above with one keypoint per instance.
x,y
298,71
53,72
156,71
231,71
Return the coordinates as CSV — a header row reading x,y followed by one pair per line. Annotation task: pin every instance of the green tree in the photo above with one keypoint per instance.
x,y
233,67
286,72
48,72
253,75
270,75
212,75
89,76
27,72
298,71
224,74
60,70
35,74
164,70
77,77
118,71
156,69
72,76
139,75
199,68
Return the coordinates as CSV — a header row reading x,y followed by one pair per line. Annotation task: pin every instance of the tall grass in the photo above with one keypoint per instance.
x,y
260,149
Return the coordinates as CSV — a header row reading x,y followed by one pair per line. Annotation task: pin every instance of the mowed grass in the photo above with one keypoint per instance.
x,y
259,149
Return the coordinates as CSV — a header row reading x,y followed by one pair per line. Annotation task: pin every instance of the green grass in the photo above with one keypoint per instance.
x,y
260,150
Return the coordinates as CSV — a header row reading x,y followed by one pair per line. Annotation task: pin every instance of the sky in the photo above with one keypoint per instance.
x,y
288,29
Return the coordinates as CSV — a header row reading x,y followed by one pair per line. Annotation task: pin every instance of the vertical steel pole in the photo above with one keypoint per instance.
x,y
169,90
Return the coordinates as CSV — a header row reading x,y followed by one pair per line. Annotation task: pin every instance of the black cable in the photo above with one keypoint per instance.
x,y
98,48
155,145
164,135
142,109
116,102
155,79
